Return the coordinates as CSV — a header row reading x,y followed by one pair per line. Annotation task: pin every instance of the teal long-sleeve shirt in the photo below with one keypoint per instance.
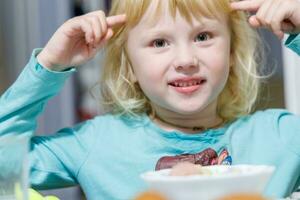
x,y
107,154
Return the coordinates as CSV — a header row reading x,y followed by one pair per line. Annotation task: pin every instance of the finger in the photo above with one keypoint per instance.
x,y
247,5
86,27
254,22
97,30
279,22
115,20
108,35
271,16
277,19
262,13
103,23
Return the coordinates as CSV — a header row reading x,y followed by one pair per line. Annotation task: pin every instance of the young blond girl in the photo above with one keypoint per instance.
x,y
179,83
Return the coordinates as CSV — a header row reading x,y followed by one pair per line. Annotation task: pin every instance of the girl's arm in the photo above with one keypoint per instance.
x,y
280,16
20,106
74,43
55,160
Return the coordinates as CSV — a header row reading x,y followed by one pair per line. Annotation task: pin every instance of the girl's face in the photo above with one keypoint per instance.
x,y
181,67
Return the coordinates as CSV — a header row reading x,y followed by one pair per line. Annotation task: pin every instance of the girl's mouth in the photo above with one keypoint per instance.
x,y
187,85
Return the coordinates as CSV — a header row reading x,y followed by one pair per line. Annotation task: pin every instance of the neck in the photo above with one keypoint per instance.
x,y
187,124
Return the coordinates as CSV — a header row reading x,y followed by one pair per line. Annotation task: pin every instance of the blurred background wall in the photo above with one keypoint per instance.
x,y
291,66
28,24
3,73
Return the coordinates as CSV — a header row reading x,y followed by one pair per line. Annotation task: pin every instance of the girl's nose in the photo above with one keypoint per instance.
x,y
185,60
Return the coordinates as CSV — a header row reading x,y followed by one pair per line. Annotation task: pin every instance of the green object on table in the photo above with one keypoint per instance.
x,y
34,195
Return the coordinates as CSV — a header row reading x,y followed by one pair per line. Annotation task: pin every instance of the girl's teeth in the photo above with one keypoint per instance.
x,y
192,83
186,84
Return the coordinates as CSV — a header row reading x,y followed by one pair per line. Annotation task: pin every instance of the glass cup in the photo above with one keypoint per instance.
x,y
14,167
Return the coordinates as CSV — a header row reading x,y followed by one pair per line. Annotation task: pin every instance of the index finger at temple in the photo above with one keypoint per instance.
x,y
247,5
116,19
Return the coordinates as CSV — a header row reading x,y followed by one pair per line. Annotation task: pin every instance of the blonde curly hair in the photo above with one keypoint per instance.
x,y
120,93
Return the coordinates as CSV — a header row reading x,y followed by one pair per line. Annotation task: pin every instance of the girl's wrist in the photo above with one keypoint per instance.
x,y
42,60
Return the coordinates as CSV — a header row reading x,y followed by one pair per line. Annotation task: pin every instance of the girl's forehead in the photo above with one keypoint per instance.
x,y
168,22
162,11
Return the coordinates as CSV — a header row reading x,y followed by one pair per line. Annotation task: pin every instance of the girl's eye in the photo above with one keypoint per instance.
x,y
159,43
202,37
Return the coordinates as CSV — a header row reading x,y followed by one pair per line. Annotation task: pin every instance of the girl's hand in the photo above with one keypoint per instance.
x,y
280,16
78,40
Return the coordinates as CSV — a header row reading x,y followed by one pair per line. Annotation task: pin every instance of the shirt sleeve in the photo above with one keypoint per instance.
x,y
25,99
54,160
293,43
289,133
289,130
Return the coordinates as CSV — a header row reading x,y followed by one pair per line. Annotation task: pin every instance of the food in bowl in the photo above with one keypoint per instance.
x,y
188,169
213,182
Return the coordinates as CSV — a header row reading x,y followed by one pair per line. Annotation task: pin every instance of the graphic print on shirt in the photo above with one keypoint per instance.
x,y
207,157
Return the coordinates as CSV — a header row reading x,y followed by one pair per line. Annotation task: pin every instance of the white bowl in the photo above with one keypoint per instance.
x,y
223,180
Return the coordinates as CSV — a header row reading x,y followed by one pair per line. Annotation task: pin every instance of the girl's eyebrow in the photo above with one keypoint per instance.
x,y
155,31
